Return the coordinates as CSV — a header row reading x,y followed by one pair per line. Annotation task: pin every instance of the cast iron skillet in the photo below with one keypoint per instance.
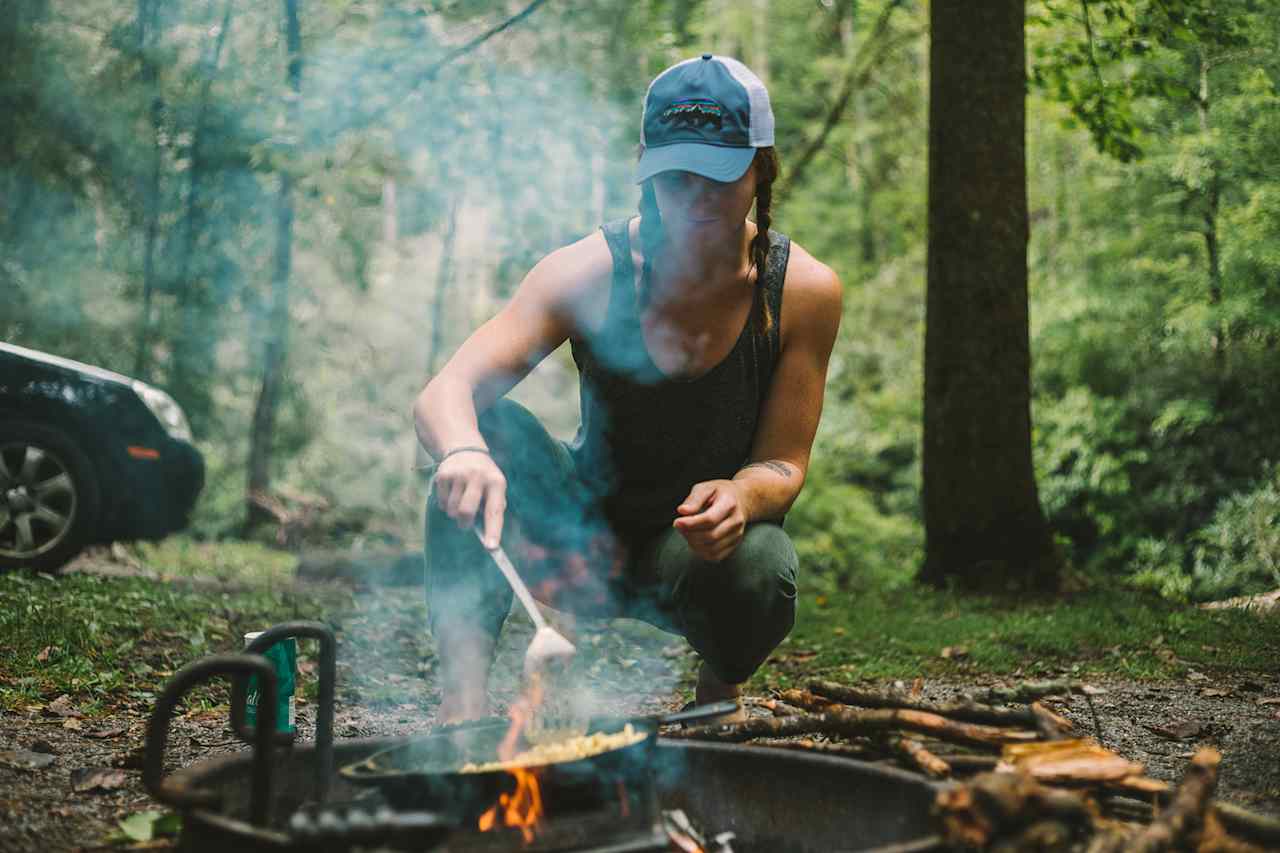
x,y
425,773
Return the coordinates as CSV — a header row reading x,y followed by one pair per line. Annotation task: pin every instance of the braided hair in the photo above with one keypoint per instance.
x,y
766,163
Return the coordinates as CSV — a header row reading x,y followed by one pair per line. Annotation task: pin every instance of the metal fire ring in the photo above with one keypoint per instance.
x,y
198,672
324,715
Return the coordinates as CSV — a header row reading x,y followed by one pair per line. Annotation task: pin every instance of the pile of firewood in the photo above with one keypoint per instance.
x,y
1022,781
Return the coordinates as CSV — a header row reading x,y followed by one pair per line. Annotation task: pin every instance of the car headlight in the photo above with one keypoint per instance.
x,y
166,410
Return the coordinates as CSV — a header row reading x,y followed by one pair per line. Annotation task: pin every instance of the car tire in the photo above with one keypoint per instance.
x,y
50,498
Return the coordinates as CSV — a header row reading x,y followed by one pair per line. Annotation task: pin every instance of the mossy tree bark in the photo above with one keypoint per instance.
x,y
984,527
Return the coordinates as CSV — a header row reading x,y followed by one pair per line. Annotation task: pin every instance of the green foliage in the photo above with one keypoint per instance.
x,y
1110,58
1236,553
843,536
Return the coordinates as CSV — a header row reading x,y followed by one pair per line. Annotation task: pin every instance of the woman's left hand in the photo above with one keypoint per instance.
x,y
713,519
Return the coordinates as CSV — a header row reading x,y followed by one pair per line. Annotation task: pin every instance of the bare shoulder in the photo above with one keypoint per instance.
x,y
572,280
812,295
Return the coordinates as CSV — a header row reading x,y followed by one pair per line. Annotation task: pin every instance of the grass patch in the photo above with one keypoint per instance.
x,y
900,633
232,561
112,642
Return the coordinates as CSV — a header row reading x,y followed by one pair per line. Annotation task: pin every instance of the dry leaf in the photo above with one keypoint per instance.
x,y
114,731
1179,731
72,723
44,654
1215,691
62,707
916,687
1272,701
90,779
954,652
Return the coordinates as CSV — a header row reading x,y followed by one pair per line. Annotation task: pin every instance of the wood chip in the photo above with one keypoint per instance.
x,y
1077,760
88,780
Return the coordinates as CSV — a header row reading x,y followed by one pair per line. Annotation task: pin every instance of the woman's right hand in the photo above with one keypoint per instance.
x,y
465,481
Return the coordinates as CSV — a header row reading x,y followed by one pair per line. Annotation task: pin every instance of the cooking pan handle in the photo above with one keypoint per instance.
x,y
324,716
234,666
699,712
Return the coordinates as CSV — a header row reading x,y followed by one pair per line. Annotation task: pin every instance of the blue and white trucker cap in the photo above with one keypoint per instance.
x,y
707,116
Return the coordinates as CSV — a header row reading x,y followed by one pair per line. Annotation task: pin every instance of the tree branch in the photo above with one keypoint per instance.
x,y
434,68
856,76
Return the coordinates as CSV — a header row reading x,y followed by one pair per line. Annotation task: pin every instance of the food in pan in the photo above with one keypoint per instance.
x,y
572,749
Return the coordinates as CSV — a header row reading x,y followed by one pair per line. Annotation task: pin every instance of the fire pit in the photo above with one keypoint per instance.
x,y
277,797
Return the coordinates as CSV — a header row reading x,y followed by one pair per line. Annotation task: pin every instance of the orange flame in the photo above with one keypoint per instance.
x,y
521,809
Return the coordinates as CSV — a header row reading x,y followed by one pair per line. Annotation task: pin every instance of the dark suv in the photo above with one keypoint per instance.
x,y
87,456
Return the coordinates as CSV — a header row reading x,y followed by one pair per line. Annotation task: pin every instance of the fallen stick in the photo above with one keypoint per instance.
x,y
1034,691
777,708
969,763
847,750
1052,726
757,727
1246,824
960,709
1185,815
850,721
994,806
921,758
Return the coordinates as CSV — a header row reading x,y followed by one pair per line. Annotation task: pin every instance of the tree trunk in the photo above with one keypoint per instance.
x,y
1212,193
148,25
277,340
193,350
984,527
444,280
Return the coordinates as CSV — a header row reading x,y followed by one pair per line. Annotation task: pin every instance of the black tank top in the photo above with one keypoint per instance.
x,y
645,437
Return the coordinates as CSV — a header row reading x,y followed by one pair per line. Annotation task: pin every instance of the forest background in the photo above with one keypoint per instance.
x,y
325,198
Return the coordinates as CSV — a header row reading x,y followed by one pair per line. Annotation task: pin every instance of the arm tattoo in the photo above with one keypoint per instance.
x,y
773,465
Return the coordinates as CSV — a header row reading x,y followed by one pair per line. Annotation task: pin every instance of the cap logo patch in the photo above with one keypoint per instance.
x,y
695,113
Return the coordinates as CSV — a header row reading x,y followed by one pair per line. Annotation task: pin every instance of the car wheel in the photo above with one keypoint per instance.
x,y
49,498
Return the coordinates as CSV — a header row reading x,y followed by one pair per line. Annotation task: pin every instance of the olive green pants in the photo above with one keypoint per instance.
x,y
734,613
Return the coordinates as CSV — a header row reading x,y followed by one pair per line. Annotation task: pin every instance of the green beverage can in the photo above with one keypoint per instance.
x,y
284,659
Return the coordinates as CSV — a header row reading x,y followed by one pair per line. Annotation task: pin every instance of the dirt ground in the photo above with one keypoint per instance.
x,y
387,686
